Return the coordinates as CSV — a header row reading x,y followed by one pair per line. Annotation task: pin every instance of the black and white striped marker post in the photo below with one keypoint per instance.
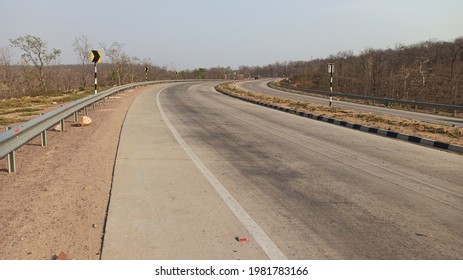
x,y
96,83
330,71
95,57
96,80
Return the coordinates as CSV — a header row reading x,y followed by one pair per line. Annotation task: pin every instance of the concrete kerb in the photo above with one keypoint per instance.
x,y
385,133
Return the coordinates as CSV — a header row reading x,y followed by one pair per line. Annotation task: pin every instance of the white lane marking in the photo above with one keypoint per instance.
x,y
272,251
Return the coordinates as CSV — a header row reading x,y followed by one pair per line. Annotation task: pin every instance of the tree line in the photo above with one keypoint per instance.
x,y
39,71
430,71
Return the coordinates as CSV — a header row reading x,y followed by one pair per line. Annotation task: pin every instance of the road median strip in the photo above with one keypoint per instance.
x,y
256,98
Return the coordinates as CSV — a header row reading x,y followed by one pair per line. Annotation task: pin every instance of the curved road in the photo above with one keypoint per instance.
x,y
261,86
316,190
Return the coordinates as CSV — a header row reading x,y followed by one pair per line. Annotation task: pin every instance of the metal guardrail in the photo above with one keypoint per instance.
x,y
385,101
17,136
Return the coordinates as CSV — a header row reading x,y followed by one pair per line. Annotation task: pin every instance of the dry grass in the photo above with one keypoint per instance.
x,y
442,133
18,110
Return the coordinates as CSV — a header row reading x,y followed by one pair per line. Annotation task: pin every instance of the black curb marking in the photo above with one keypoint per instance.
x,y
391,134
441,145
414,139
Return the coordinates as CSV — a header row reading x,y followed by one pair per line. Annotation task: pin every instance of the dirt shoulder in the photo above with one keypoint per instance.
x,y
57,200
441,133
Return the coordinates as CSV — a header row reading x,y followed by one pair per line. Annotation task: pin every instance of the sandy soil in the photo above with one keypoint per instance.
x,y
57,200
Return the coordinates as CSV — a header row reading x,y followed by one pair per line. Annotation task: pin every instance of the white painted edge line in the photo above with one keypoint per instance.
x,y
272,251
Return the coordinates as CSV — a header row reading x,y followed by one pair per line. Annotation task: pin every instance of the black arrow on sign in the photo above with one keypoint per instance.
x,y
96,56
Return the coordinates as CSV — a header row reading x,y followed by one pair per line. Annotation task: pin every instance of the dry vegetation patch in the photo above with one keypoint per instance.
x,y
18,110
442,133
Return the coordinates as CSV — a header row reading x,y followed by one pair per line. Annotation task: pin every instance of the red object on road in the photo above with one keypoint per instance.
x,y
242,239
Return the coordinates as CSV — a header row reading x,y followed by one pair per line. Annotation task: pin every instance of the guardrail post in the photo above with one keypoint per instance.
x,y
75,116
44,138
11,158
11,162
61,122
85,111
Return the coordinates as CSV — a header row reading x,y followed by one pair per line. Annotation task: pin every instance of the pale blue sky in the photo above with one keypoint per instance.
x,y
184,34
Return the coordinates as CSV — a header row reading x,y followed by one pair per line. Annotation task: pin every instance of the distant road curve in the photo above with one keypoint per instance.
x,y
261,86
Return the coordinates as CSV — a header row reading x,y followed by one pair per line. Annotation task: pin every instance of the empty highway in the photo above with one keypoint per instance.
x,y
196,168
262,87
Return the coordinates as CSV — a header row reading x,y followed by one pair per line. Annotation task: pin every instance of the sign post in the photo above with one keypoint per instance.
x,y
330,71
95,57
146,73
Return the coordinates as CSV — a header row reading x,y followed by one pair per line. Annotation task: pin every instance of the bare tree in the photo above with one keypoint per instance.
x,y
6,75
134,69
405,74
35,52
82,48
368,56
456,49
422,69
456,72
117,57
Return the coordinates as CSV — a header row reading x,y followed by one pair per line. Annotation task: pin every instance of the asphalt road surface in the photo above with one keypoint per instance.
x,y
261,86
314,190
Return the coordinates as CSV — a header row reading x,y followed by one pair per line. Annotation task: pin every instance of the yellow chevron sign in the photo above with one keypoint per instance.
x,y
95,56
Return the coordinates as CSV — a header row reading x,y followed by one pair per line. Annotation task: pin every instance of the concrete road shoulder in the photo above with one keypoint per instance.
x,y
161,206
